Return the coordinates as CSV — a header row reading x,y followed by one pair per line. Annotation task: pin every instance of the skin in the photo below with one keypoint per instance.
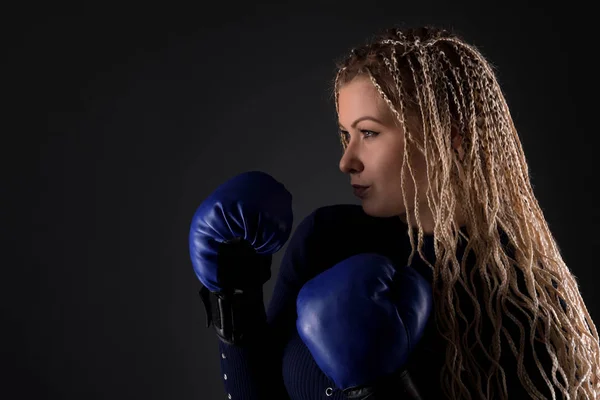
x,y
374,155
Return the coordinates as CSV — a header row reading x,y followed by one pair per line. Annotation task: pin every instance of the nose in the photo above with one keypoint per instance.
x,y
350,163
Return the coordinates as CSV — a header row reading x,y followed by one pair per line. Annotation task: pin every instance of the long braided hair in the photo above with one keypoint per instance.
x,y
433,77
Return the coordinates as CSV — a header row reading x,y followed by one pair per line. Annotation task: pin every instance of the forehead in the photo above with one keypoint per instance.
x,y
360,96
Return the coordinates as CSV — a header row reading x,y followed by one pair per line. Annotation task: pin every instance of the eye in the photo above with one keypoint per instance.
x,y
368,133
344,136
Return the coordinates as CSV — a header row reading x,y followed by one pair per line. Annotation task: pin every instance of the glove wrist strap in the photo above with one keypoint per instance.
x,y
236,315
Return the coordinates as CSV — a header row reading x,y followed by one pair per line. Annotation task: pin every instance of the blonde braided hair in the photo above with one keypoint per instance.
x,y
432,76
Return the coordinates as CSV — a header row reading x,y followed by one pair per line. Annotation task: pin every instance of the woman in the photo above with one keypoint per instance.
x,y
439,90
428,137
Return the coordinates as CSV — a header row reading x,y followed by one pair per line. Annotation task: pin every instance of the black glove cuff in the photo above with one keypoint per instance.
x,y
398,385
237,315
237,311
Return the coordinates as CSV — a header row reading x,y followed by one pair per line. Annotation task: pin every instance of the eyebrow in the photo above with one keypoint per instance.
x,y
366,117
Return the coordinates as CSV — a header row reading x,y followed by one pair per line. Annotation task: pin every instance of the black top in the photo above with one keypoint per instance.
x,y
278,365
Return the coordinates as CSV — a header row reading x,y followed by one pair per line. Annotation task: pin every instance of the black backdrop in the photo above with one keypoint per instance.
x,y
141,118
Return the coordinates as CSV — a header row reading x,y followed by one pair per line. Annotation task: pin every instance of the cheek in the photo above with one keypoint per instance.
x,y
389,164
419,185
390,167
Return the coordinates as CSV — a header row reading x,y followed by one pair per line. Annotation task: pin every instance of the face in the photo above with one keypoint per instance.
x,y
375,150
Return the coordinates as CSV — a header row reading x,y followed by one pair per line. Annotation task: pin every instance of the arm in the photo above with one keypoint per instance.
x,y
233,235
361,319
327,236
253,370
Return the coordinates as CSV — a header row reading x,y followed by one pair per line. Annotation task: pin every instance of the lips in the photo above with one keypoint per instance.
x,y
360,191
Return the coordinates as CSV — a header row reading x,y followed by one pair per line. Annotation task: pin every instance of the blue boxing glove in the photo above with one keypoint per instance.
x,y
360,321
233,235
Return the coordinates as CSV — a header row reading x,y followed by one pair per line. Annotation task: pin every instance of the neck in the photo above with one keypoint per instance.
x,y
427,220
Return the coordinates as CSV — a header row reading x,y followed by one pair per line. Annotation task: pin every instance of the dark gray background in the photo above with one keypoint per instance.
x,y
142,117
